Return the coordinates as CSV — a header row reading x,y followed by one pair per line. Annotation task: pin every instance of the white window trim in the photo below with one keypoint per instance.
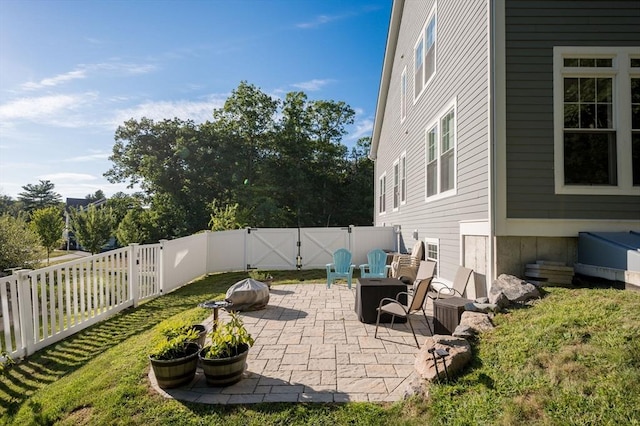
x,y
403,95
436,122
621,74
382,191
423,37
396,185
435,242
403,178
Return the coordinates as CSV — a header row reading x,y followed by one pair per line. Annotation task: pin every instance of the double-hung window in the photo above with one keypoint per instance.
x,y
396,185
418,70
403,95
403,178
382,201
440,155
432,253
596,120
424,54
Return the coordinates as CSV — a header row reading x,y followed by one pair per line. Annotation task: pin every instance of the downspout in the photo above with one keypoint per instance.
x,y
491,18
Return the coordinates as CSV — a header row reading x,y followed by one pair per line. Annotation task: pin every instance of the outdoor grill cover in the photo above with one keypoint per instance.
x,y
248,295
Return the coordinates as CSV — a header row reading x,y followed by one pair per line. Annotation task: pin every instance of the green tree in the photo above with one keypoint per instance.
x,y
92,226
282,162
97,196
49,225
10,206
121,203
225,217
19,244
39,196
134,227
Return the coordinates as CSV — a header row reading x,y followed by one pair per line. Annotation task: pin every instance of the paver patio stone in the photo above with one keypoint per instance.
x,y
310,347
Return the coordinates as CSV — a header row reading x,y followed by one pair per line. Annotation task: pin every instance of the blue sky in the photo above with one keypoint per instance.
x,y
72,71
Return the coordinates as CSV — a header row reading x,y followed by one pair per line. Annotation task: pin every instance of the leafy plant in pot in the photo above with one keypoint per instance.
x,y
175,359
224,361
177,327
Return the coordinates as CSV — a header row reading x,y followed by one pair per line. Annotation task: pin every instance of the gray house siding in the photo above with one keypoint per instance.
x,y
533,28
461,75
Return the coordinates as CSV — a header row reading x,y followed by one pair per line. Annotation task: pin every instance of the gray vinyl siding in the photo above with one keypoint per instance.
x,y
533,28
461,74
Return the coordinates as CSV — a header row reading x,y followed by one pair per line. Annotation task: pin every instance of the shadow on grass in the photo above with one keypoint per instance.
x,y
19,382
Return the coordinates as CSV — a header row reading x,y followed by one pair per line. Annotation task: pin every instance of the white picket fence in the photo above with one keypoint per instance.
x,y
43,306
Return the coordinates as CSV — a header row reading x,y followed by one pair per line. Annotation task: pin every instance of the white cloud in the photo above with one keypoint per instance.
x,y
89,157
361,128
198,111
66,177
320,20
82,71
38,108
312,85
54,81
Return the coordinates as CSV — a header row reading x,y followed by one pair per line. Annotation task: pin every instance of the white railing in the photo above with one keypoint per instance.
x,y
41,307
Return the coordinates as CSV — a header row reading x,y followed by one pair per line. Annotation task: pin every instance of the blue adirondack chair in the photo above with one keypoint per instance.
x,y
341,268
377,266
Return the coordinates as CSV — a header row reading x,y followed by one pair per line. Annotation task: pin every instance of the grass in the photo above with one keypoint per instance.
x,y
571,358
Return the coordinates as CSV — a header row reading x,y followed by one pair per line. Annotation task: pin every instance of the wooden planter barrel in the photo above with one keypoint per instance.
x,y
224,371
176,372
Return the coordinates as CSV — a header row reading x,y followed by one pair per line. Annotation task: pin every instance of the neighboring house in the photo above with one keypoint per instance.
x,y
504,128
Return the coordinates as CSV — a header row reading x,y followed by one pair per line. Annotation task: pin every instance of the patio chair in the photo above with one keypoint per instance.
x,y
426,270
341,268
405,266
377,266
397,309
443,291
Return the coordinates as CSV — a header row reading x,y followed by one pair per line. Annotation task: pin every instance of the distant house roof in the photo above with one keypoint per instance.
x,y
83,202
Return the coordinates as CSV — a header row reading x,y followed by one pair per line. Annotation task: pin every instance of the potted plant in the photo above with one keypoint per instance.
x,y
262,276
178,327
174,359
224,361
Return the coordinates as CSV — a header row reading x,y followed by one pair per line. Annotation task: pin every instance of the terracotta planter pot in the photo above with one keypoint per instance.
x,y
224,371
176,372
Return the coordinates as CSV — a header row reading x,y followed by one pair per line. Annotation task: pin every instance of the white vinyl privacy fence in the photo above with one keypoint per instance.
x,y
43,306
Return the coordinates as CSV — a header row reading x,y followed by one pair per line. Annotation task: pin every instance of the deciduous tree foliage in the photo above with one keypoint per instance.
x,y
19,244
49,225
281,161
92,226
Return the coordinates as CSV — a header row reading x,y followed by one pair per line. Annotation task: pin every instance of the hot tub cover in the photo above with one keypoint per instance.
x,y
248,295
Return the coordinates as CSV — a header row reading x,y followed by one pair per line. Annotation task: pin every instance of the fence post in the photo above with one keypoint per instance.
x,y
134,289
161,266
207,234
25,308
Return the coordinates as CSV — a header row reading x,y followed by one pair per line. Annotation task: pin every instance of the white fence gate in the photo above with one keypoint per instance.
x,y
41,307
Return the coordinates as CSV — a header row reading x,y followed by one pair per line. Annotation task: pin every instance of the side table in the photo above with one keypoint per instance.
x,y
447,313
215,305
369,293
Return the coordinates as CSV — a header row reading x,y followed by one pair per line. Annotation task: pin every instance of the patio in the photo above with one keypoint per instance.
x,y
310,347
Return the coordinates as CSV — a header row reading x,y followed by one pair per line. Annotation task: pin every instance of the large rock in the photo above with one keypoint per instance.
x,y
248,295
513,288
477,321
459,355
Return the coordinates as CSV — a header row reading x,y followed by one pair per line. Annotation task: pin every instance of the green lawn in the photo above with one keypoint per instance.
x,y
572,358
